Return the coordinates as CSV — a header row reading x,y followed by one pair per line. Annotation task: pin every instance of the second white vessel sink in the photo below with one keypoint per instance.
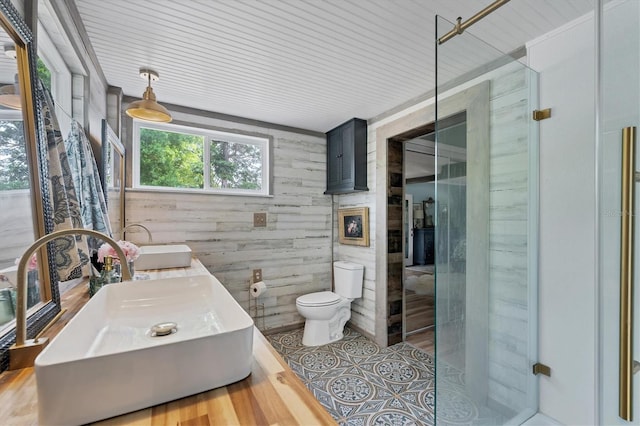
x,y
163,257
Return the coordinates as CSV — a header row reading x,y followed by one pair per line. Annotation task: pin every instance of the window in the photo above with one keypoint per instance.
x,y
14,167
44,73
56,76
174,157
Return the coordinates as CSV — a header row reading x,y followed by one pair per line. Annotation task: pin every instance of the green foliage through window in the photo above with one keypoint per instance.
x,y
174,156
210,161
235,165
171,159
14,167
44,73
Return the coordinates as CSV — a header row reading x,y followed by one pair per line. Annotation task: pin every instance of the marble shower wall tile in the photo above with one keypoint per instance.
x,y
508,257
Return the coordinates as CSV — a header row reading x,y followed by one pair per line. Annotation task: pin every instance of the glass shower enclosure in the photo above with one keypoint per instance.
x,y
486,234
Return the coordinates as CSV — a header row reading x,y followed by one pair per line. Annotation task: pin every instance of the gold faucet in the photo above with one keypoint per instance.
x,y
24,352
131,225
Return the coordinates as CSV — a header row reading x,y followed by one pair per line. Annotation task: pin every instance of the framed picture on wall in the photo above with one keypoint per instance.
x,y
418,215
353,226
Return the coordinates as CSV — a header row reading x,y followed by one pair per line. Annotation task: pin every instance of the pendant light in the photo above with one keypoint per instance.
x,y
147,108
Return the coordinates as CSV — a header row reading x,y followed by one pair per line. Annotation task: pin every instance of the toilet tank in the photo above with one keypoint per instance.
x,y
348,278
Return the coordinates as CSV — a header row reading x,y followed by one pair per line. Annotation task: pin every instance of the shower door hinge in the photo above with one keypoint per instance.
x,y
539,368
541,114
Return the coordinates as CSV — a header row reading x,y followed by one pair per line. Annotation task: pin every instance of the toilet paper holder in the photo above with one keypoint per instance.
x,y
256,310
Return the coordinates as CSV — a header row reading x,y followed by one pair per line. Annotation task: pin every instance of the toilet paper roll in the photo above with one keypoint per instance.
x,y
257,289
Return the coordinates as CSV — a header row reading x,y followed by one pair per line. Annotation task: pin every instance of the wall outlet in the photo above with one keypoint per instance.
x,y
257,275
259,219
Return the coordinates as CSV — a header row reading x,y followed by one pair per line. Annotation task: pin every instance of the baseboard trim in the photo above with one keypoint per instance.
x,y
361,331
282,329
298,325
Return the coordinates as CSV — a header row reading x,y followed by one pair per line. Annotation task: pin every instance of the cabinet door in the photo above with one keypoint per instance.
x,y
418,246
348,152
428,246
334,159
345,172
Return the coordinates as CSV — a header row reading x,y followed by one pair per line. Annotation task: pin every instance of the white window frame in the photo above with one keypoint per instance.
x,y
11,115
263,142
61,79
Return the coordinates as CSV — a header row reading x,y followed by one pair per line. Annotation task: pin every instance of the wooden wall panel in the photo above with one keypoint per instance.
x,y
363,309
17,226
509,304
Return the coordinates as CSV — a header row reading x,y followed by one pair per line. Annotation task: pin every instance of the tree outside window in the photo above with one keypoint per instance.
x,y
206,160
14,167
171,159
235,165
45,74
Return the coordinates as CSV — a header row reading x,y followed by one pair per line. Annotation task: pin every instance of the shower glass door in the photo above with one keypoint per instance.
x,y
486,235
619,109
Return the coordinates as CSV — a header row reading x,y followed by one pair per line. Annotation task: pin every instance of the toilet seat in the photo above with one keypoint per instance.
x,y
321,298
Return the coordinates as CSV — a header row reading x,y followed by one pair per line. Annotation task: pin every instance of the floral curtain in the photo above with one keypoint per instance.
x,y
71,251
86,180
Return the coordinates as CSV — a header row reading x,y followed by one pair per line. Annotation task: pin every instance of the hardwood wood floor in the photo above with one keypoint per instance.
x,y
419,311
424,340
419,308
420,315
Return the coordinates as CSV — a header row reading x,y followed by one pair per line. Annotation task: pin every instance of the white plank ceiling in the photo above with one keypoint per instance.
x,y
309,64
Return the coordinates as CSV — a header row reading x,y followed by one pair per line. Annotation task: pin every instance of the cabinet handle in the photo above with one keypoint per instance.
x,y
339,156
627,364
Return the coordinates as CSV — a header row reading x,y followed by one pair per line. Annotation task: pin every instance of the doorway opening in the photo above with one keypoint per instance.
x,y
422,165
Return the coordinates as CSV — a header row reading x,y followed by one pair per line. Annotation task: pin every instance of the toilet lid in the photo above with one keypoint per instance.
x,y
321,298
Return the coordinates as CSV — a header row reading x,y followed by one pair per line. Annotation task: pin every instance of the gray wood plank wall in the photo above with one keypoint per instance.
x,y
509,305
293,250
16,231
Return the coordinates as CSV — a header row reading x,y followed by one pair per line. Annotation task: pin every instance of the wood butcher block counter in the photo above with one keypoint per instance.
x,y
271,395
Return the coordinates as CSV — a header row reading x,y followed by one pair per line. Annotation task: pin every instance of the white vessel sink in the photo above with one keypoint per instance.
x,y
106,362
163,256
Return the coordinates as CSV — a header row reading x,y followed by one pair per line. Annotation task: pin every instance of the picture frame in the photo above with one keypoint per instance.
x,y
353,226
418,215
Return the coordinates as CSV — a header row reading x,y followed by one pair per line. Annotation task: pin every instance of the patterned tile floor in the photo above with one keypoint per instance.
x,y
360,383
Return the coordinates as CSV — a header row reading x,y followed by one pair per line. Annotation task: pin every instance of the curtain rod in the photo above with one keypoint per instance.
x,y
461,26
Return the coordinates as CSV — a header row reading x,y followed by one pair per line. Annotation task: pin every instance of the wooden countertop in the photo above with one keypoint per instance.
x,y
271,395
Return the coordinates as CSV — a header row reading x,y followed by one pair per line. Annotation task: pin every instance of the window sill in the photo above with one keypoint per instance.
x,y
198,192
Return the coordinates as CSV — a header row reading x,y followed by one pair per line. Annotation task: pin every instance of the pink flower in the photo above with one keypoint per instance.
x,y
131,251
33,262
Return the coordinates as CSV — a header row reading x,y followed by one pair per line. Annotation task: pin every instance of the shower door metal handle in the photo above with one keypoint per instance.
x,y
627,364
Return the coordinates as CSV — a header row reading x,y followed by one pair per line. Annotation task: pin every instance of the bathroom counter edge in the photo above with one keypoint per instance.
x,y
272,394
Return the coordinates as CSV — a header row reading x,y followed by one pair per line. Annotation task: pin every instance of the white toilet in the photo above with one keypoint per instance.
x,y
327,312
